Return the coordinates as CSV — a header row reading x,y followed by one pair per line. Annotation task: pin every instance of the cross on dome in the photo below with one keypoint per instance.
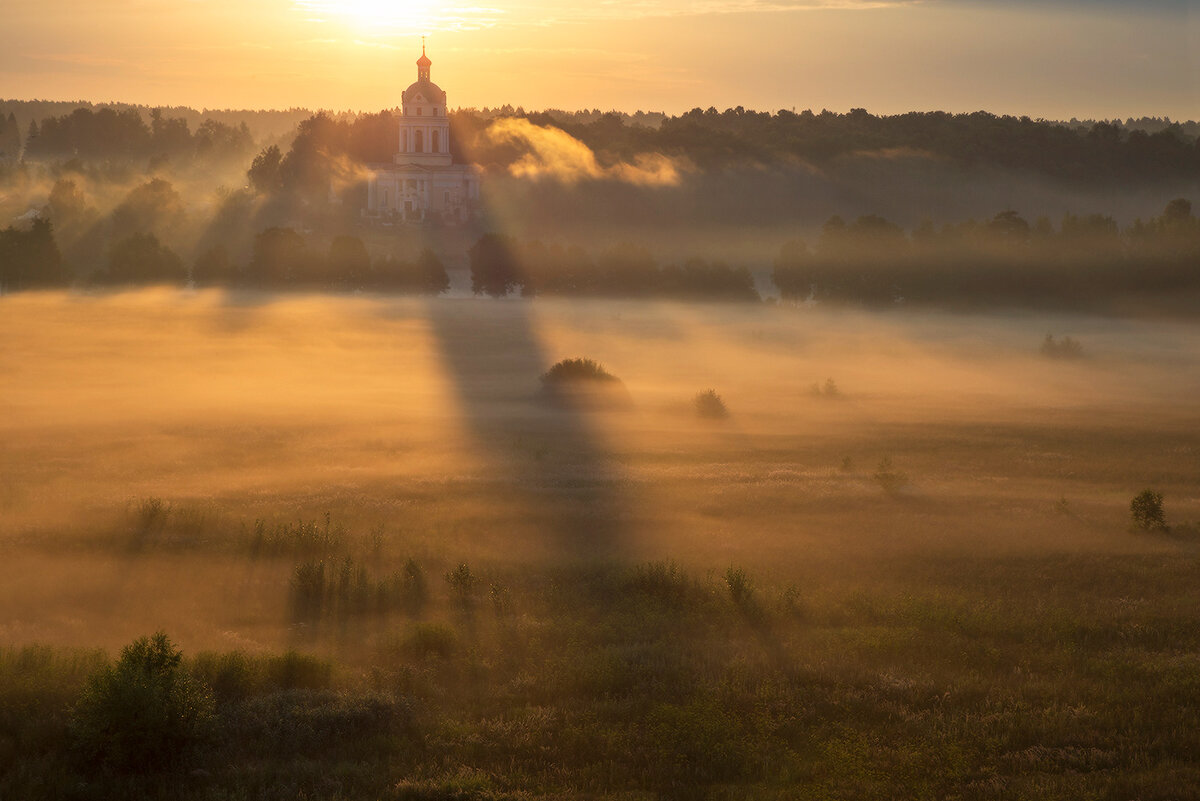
x,y
423,63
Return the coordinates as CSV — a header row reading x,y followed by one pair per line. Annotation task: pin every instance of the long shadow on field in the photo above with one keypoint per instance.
x,y
552,456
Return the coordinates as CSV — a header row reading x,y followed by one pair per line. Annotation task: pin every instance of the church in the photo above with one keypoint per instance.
x,y
423,182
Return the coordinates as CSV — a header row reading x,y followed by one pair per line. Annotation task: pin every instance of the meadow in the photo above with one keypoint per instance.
x,y
902,567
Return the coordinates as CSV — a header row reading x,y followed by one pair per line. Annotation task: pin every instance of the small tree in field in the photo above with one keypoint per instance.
x,y
145,712
1146,509
710,405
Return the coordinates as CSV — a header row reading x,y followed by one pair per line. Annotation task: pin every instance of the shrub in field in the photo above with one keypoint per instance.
x,y
888,477
1065,348
462,584
413,590
145,712
828,390
741,589
431,639
1146,510
664,581
585,382
311,722
710,405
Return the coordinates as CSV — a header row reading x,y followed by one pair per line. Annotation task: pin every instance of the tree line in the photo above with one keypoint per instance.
x,y
1006,260
1082,262
282,258
107,133
501,264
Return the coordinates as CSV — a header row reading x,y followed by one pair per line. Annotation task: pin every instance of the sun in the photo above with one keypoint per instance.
x,y
366,16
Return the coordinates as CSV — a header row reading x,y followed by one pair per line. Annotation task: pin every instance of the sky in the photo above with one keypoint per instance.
x,y
1054,59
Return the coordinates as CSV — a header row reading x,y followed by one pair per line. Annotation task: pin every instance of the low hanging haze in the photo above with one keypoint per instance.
x,y
1055,58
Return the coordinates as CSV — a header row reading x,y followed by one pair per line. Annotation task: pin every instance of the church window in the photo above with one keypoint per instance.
x,y
418,143
437,143
419,110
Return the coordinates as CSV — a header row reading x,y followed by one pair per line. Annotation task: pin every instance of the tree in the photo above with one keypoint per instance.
x,y
264,173
348,260
155,206
494,268
278,256
144,713
30,259
1146,510
141,259
212,267
431,274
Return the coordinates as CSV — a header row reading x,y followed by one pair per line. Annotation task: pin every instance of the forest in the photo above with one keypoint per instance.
x,y
610,204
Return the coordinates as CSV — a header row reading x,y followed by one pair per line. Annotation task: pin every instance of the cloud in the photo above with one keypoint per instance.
x,y
554,154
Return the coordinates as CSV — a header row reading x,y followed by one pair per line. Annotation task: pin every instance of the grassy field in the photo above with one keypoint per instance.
x,y
395,571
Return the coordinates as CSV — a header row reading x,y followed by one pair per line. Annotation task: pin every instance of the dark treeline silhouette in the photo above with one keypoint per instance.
x,y
1101,152
264,124
107,133
500,264
30,259
282,258
1084,262
10,138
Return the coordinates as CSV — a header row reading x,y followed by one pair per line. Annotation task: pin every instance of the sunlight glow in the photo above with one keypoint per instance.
x,y
376,17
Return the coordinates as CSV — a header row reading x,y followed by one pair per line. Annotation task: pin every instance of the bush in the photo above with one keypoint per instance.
x,y
888,477
585,382
145,712
1065,348
577,370
710,405
741,589
462,584
1146,509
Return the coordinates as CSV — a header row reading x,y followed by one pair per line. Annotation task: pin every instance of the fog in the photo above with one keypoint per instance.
x,y
417,425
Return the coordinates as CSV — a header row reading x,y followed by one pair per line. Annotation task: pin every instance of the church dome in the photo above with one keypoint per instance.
x,y
426,89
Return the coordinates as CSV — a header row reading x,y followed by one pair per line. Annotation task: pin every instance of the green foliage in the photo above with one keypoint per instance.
x,y
306,722
144,713
1146,510
710,405
693,745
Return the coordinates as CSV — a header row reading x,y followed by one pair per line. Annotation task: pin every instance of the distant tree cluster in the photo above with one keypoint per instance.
x,y
1091,154
10,138
500,264
107,133
1005,260
282,258
30,259
322,152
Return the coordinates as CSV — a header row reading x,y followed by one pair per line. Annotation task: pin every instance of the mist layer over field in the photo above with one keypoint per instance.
x,y
415,428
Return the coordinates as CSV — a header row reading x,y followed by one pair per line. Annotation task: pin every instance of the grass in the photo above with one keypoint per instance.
x,y
1062,677
639,606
